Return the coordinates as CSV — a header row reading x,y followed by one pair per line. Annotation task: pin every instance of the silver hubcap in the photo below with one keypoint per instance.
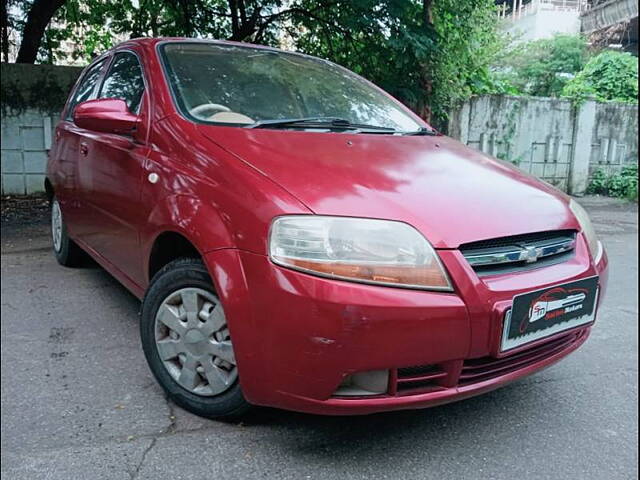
x,y
56,225
193,342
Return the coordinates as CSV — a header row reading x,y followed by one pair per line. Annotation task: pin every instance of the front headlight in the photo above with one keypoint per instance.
x,y
587,228
357,249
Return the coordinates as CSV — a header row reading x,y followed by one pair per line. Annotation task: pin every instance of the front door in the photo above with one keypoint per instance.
x,y
110,174
65,149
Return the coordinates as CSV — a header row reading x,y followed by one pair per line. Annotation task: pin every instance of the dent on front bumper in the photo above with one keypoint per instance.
x,y
297,336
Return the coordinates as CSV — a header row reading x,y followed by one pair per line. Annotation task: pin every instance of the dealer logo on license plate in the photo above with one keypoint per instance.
x,y
542,313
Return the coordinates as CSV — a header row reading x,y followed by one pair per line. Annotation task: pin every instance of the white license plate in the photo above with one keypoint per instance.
x,y
541,313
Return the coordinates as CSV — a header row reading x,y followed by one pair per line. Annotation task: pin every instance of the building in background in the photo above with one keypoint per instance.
x,y
610,23
536,19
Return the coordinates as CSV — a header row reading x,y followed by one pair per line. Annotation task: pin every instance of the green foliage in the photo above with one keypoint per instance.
x,y
429,54
622,185
428,65
493,83
385,42
541,67
467,41
43,88
609,76
564,66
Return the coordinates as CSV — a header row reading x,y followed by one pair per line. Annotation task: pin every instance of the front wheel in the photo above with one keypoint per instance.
x,y
187,344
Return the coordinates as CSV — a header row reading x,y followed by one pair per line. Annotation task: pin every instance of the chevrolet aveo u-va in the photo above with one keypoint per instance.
x,y
300,239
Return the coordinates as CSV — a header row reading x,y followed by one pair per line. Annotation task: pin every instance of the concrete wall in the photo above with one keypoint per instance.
x,y
26,138
614,137
32,97
550,138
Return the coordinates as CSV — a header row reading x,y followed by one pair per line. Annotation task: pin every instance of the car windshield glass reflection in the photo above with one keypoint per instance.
x,y
241,85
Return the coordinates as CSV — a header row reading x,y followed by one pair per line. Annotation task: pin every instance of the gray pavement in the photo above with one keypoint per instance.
x,y
78,401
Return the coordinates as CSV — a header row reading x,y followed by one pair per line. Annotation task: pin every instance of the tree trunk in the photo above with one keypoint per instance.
x,y
235,22
187,27
424,110
38,18
5,31
426,12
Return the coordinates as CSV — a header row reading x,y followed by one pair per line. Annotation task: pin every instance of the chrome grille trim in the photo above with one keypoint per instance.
x,y
521,249
519,254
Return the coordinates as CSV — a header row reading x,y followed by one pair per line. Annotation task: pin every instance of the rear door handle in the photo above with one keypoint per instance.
x,y
84,149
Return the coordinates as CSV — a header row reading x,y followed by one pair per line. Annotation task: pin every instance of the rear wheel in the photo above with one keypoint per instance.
x,y
186,341
66,251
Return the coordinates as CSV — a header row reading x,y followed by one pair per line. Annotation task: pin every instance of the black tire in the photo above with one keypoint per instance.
x,y
68,254
179,274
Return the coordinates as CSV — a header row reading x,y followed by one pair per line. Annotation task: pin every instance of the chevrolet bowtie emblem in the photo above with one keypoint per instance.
x,y
530,254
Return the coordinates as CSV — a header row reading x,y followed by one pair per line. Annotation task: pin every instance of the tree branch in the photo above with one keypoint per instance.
x,y
305,13
248,28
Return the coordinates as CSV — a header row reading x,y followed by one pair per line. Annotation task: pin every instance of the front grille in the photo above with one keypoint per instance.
x,y
417,371
428,378
519,252
480,369
419,378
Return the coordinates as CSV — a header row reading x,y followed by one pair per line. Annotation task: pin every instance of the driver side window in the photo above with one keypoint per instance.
x,y
124,80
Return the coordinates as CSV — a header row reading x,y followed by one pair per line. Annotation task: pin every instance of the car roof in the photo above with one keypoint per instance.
x,y
149,44
152,42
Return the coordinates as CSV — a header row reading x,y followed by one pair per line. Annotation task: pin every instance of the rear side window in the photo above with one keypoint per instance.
x,y
124,81
86,87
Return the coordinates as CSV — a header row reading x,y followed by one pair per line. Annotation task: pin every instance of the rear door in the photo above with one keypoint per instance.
x,y
110,173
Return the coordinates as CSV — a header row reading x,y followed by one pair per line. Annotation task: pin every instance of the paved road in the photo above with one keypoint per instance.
x,y
78,401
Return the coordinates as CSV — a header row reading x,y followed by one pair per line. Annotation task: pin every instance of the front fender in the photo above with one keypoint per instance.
x,y
197,221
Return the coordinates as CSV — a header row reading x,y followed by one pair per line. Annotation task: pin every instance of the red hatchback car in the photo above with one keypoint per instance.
x,y
300,239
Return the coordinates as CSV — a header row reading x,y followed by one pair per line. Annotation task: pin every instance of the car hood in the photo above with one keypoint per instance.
x,y
449,192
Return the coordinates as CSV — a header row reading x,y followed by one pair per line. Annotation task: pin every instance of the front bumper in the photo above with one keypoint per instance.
x,y
297,336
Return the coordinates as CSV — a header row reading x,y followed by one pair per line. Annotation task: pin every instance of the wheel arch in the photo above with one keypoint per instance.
x,y
182,225
168,246
48,189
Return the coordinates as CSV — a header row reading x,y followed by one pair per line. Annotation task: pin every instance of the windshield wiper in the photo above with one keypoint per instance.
x,y
420,131
285,122
334,123
319,122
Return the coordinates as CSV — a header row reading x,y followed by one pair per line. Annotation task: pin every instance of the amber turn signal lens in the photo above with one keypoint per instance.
x,y
424,276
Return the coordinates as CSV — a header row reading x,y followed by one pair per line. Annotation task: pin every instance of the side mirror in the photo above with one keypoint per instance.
x,y
109,115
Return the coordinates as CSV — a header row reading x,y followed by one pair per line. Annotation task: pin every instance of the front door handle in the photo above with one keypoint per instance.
x,y
84,149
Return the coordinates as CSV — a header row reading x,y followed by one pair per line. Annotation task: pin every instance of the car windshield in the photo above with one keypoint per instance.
x,y
243,86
